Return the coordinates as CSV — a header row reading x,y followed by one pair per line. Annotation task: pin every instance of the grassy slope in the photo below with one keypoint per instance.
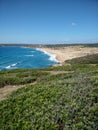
x,y
66,101
89,59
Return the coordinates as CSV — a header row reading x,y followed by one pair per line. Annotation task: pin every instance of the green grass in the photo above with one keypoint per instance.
x,y
66,101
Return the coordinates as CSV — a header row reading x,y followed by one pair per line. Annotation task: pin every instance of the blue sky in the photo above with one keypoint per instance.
x,y
48,21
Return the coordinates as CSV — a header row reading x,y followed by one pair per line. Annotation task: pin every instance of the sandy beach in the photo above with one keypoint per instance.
x,y
70,52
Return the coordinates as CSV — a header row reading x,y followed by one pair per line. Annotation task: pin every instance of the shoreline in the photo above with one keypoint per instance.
x,y
67,53
53,56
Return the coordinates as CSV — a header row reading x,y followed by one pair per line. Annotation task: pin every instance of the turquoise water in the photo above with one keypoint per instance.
x,y
22,57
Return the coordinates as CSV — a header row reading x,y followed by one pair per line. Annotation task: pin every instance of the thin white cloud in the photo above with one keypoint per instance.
x,y
73,24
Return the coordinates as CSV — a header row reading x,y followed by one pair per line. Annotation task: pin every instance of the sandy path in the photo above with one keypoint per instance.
x,y
6,90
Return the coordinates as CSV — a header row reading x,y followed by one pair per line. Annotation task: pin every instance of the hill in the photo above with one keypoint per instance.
x,y
55,98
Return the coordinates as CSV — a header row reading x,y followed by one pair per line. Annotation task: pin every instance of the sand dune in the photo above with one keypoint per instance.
x,y
70,52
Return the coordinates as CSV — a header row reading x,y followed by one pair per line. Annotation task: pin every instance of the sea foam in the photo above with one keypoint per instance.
x,y
52,57
12,65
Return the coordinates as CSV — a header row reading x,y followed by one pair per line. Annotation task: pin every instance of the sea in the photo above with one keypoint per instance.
x,y
15,57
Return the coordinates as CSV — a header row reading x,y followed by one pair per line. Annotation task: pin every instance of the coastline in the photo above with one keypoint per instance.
x,y
58,54
53,56
69,52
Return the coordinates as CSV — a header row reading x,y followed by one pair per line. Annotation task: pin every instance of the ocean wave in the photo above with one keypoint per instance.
x,y
9,66
32,51
52,57
25,58
38,49
29,55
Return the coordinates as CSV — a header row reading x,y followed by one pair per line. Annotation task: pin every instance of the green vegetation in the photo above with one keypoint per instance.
x,y
89,59
63,101
53,45
20,76
67,45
